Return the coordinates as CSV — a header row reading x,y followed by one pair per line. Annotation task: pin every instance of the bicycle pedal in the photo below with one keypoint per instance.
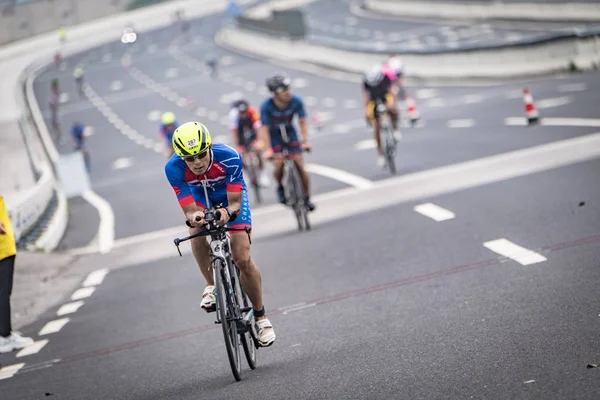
x,y
210,310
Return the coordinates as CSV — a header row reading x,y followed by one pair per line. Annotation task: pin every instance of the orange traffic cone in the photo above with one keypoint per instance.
x,y
530,111
411,108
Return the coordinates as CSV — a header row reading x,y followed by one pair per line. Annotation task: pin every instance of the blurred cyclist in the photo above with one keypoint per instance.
x,y
78,75
276,114
243,123
394,69
378,86
168,125
78,136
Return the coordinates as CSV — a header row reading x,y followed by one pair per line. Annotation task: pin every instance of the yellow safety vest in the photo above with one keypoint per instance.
x,y
8,247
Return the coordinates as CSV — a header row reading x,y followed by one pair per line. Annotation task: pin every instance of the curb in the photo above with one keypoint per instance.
x,y
518,61
572,11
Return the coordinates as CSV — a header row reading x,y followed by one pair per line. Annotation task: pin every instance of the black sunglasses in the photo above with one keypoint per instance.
x,y
191,159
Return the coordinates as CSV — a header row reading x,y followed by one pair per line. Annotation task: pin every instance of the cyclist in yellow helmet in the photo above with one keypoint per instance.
x,y
168,124
198,162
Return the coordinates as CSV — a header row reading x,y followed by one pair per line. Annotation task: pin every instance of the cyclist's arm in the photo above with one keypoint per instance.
x,y
302,120
263,130
182,191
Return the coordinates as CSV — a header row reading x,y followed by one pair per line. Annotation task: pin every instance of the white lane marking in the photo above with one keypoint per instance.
x,y
173,97
351,103
338,29
572,87
310,100
434,212
426,93
328,102
364,33
529,381
365,144
513,251
69,308
250,86
553,102
513,37
461,123
224,121
339,175
33,349
158,147
299,83
351,21
63,97
53,326
436,102
213,116
106,230
95,278
574,122
298,308
171,73
201,111
10,370
514,94
83,293
116,85
106,58
472,98
154,115
152,48
124,162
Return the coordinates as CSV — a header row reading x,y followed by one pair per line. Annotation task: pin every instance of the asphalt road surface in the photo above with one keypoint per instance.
x,y
347,24
424,298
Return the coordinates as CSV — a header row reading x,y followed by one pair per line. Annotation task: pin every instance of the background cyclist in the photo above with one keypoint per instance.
x,y
277,113
378,86
168,125
243,123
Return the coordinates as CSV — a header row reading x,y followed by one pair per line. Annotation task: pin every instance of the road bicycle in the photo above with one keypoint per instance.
x,y
233,309
387,135
292,185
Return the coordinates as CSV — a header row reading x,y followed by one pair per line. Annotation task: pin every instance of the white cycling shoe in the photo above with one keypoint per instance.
x,y
380,161
266,334
14,342
209,299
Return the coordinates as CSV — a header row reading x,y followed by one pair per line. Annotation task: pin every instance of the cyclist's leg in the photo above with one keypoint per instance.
x,y
250,277
201,252
374,118
278,175
392,107
299,161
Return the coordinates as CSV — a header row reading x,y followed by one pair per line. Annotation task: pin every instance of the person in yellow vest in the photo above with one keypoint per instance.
x,y
9,340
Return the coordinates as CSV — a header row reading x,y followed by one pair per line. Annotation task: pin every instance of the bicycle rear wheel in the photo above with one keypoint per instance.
x,y
390,149
226,313
300,207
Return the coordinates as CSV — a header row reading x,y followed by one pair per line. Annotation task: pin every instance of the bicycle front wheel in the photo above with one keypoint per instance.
x,y
299,206
226,314
249,337
390,149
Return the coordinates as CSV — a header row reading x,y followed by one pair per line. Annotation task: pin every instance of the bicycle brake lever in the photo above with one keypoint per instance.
x,y
177,241
247,229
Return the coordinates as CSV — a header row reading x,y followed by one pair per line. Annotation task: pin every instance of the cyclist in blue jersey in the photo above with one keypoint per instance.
x,y
198,162
168,124
276,114
78,136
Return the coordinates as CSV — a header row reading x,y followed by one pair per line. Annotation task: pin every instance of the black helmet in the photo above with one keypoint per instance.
x,y
277,83
242,105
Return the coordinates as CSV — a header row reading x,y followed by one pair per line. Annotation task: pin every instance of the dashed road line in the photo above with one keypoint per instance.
x,y
574,122
340,175
10,370
116,86
434,212
95,278
33,349
460,123
553,102
69,308
520,254
572,87
53,326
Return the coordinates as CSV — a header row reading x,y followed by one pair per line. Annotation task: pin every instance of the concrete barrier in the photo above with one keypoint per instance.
x,y
566,11
534,59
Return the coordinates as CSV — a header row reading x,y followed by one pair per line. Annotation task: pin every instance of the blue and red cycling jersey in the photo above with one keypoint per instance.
x,y
273,117
224,175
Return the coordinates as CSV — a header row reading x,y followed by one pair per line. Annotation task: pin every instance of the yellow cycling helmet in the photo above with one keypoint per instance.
x,y
190,139
168,118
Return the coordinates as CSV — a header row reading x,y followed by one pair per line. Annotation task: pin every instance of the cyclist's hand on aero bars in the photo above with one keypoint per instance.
x,y
197,219
224,217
